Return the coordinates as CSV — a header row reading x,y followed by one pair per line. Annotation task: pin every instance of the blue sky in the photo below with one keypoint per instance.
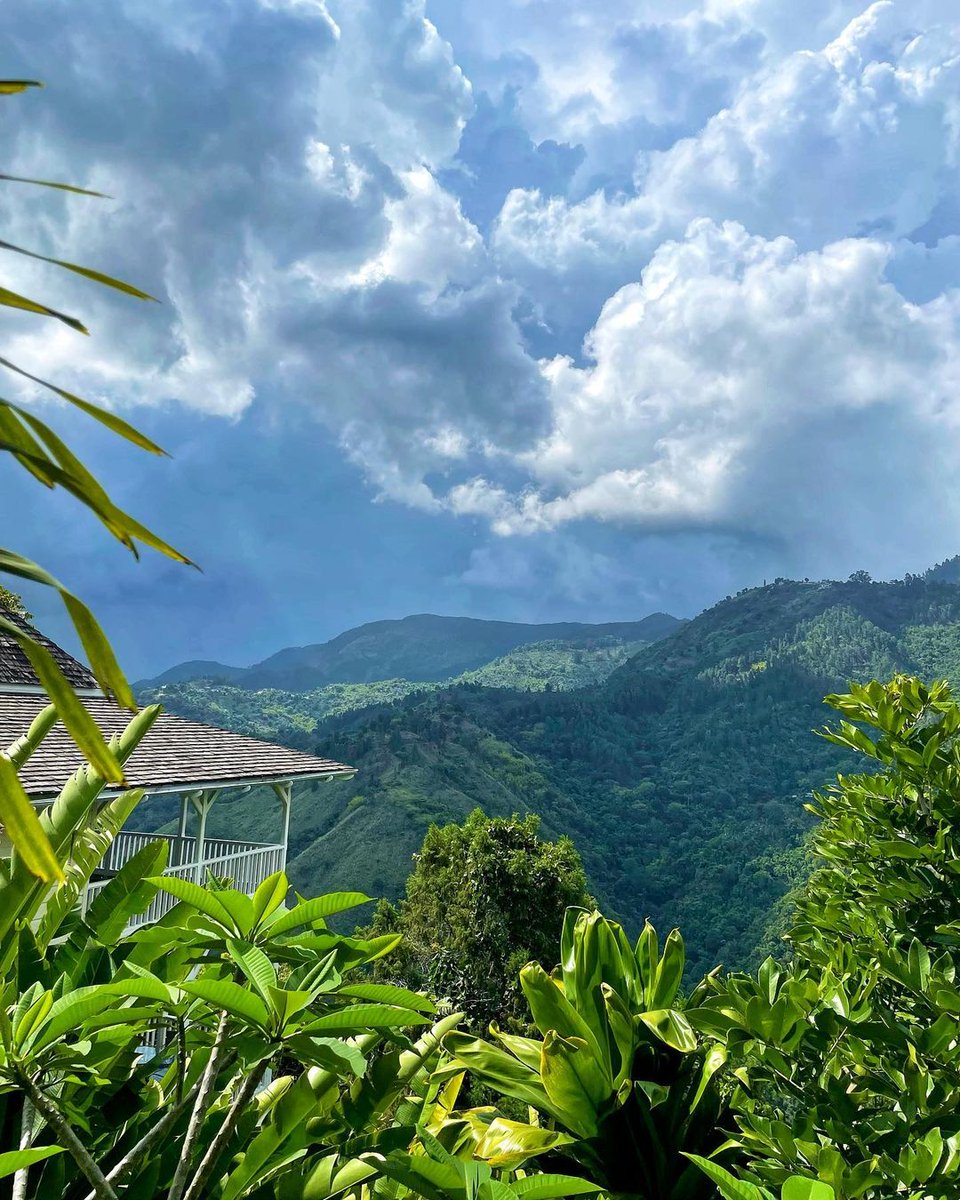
x,y
534,309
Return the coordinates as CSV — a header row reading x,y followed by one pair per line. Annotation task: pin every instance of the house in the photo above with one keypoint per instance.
x,y
193,762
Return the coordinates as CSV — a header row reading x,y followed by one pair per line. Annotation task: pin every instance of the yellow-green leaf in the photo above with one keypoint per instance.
x,y
23,827
15,300
99,652
86,272
79,723
9,87
62,187
114,423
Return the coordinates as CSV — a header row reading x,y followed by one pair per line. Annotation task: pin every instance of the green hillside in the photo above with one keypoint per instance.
x,y
280,715
423,648
681,778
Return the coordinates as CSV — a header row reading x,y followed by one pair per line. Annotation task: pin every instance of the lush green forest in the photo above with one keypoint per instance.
x,y
422,648
664,775
278,714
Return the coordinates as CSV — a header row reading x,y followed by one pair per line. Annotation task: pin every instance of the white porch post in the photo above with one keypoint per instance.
x,y
201,802
284,795
183,816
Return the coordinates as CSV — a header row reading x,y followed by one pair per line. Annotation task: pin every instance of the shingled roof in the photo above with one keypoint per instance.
x,y
176,755
15,668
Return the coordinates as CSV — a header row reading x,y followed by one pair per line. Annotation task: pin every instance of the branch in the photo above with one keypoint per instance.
x,y
203,1102
68,1139
135,1153
225,1132
26,1138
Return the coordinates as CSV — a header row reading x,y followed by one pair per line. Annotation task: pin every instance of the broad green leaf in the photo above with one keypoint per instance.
x,y
194,895
669,971
256,966
572,1080
730,1187
552,1187
87,849
310,911
23,826
671,1027
331,1177
797,1187
425,1177
26,1022
144,986
499,1070
128,893
231,997
240,908
269,895
526,1049
15,1160
508,1144
68,1013
385,993
552,1011
357,1017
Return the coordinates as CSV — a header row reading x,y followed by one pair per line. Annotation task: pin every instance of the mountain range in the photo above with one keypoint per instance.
x,y
420,648
680,773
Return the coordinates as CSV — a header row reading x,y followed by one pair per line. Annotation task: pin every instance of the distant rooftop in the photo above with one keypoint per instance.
x,y
15,668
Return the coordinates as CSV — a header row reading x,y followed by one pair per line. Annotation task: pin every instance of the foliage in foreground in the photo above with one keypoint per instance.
x,y
850,1060
37,448
619,1084
835,1077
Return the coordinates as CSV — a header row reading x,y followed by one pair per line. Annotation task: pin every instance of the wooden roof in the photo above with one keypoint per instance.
x,y
176,755
15,668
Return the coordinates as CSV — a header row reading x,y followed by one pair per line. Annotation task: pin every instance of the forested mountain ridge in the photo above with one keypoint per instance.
x,y
419,648
665,775
279,715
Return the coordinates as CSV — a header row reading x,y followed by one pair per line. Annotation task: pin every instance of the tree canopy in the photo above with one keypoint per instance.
x,y
484,898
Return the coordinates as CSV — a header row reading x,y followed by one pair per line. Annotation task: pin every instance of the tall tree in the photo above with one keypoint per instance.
x,y
485,898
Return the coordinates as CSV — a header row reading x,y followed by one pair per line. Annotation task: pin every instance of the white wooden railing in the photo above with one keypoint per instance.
x,y
245,865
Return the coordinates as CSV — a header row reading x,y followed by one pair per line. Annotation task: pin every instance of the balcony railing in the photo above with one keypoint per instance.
x,y
245,864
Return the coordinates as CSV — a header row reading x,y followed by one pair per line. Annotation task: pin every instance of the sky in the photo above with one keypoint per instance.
x,y
530,309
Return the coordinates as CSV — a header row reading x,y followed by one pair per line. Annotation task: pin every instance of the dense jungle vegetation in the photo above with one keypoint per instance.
x,y
241,1047
681,778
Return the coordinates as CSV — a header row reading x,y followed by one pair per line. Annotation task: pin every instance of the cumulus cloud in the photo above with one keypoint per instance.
x,y
858,138
289,220
691,271
745,385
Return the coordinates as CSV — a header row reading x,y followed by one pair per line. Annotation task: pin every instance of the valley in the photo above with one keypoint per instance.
x,y
681,775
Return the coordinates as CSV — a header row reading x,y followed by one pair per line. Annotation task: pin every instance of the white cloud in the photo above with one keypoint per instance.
x,y
272,168
858,138
744,384
280,169
430,241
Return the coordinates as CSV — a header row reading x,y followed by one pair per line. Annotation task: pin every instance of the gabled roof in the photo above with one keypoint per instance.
x,y
176,755
15,668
